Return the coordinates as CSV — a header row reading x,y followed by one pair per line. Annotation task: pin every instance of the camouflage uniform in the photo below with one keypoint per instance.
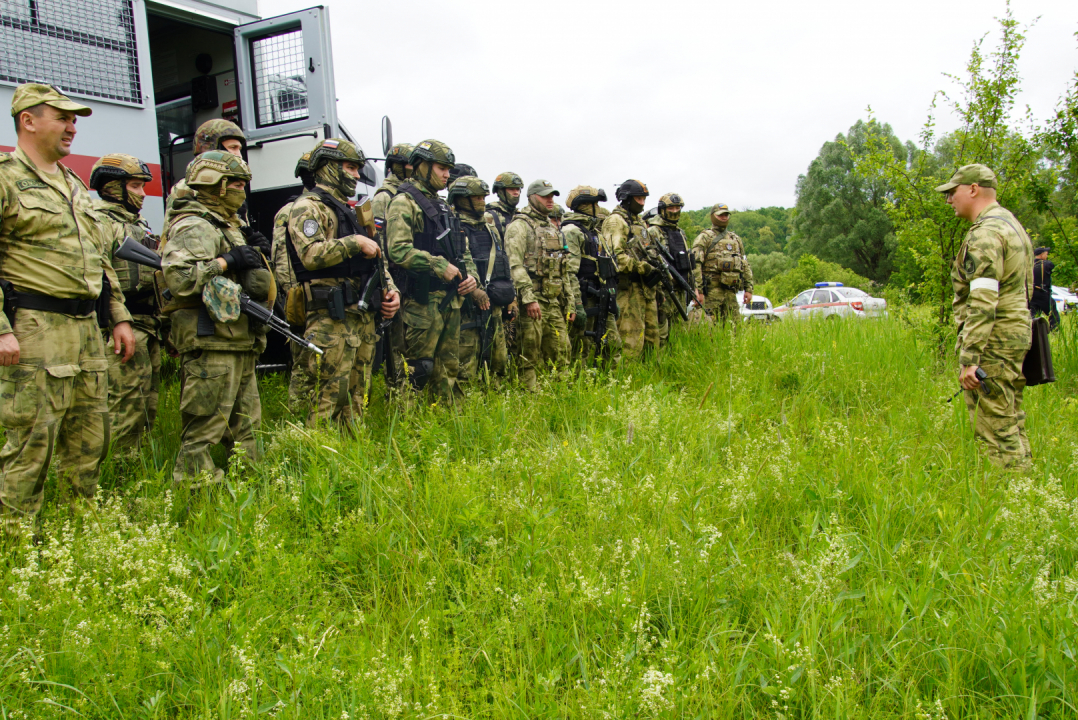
x,y
209,136
133,386
626,238
665,231
721,271
538,262
432,335
219,399
331,256
580,229
992,276
55,399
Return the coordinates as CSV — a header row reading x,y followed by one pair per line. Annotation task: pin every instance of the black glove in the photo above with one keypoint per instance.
x,y
242,257
257,239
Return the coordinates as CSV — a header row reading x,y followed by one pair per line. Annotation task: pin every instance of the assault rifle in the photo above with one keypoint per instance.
x,y
141,255
607,295
371,299
449,240
667,275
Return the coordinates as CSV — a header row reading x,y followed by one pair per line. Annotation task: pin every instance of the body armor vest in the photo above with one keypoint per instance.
x,y
588,259
675,242
481,243
356,266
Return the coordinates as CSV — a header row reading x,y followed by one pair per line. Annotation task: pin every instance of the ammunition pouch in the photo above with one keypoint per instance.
x,y
501,292
102,306
607,269
295,306
653,278
334,299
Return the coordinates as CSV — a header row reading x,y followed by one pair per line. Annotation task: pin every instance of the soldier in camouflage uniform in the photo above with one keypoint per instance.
x,y
663,229
332,256
626,238
398,169
538,261
721,269
282,266
206,264
992,278
467,196
556,215
53,371
591,275
507,186
119,181
416,219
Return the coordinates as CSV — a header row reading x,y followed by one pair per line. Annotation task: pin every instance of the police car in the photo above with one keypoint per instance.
x,y
759,308
832,300
1065,300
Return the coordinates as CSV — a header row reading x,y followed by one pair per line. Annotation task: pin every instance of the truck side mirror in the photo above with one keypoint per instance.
x,y
387,135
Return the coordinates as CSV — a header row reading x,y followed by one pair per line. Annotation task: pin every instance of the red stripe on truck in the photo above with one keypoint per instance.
x,y
82,164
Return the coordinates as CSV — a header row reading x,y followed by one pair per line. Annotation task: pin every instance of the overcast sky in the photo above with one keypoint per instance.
x,y
719,101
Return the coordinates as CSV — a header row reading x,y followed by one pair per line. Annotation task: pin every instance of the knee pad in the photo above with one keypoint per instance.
x,y
420,371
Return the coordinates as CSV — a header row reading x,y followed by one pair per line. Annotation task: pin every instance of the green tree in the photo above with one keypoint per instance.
x,y
764,230
765,267
842,213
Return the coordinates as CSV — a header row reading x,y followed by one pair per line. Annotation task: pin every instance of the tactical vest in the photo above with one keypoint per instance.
x,y
546,261
437,223
481,242
675,243
501,218
723,254
356,266
594,262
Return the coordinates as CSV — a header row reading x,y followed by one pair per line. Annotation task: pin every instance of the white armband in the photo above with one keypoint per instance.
x,y
984,284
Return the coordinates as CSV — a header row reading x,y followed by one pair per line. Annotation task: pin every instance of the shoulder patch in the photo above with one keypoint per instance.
x,y
310,227
970,265
29,183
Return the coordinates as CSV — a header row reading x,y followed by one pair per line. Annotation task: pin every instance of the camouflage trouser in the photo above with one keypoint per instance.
x,y
218,403
431,341
584,346
133,389
721,303
334,386
998,419
542,341
638,323
55,400
469,344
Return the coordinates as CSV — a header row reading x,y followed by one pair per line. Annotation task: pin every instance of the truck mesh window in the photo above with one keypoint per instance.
x,y
83,47
280,78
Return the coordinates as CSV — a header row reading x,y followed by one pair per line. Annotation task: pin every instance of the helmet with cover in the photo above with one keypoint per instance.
x,y
583,196
303,170
326,164
627,193
209,174
670,206
110,174
469,193
508,180
212,134
423,158
557,212
398,158
461,170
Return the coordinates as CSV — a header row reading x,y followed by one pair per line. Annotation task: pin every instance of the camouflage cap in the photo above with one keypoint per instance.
x,y
720,208
221,297
542,188
976,174
212,133
28,95
508,180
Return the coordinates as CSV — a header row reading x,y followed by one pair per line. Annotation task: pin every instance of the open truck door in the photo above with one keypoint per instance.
x,y
286,101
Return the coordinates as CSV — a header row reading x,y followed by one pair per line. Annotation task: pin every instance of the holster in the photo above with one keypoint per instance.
x,y
11,301
103,307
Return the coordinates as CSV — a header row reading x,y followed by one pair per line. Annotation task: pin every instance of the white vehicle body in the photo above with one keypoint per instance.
x,y
759,308
154,70
1065,300
828,300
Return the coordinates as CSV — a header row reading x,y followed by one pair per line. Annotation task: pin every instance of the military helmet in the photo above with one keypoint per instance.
x,y
508,180
583,194
117,166
212,133
557,212
433,151
400,153
468,186
303,165
462,170
335,150
210,168
670,200
631,188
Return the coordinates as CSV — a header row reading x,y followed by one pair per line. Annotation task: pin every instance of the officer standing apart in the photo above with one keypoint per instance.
x,y
206,264
1042,302
332,255
992,277
538,261
663,229
478,321
721,269
592,275
54,376
625,236
435,264
120,182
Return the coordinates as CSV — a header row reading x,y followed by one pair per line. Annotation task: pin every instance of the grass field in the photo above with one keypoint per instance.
x,y
790,524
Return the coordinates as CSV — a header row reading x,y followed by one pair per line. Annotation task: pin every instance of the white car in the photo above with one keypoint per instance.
x,y
1065,300
759,308
831,299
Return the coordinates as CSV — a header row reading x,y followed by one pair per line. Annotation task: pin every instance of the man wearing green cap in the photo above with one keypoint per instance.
x,y
53,261
992,278
721,268
538,262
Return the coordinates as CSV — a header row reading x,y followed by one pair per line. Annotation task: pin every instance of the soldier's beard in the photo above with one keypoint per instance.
x,y
538,205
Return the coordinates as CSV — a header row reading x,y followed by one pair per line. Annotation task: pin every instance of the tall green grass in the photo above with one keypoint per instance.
x,y
791,523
